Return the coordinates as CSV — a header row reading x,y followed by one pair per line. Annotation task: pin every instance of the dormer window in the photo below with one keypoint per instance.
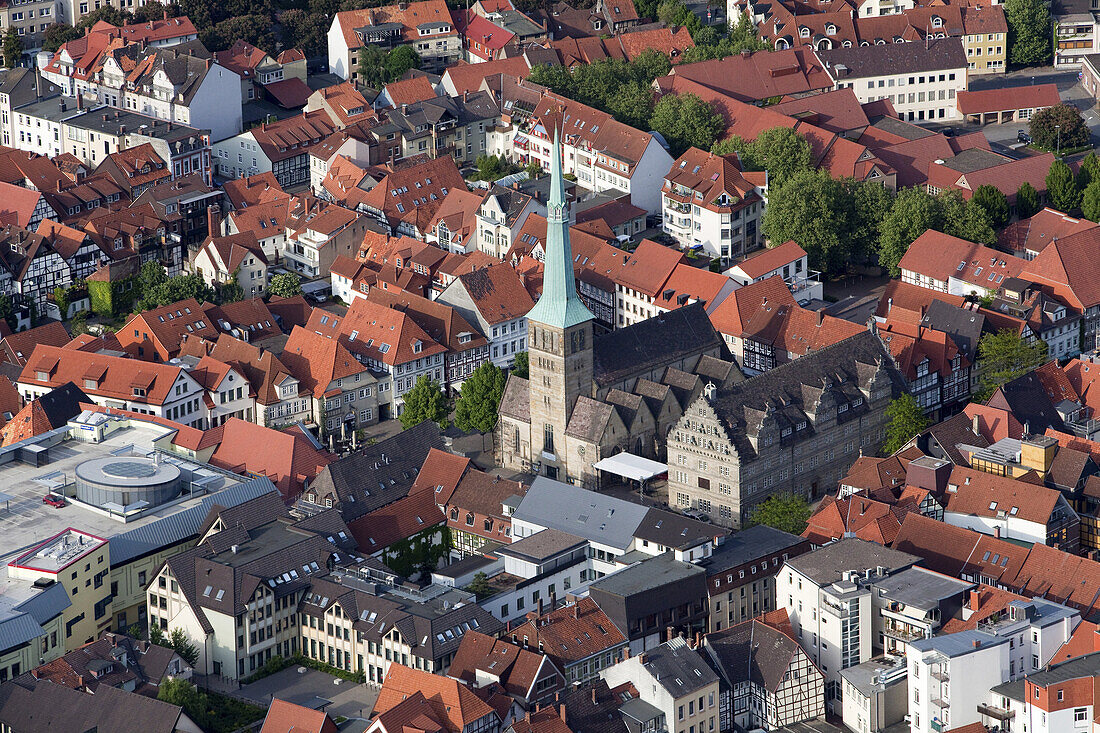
x,y
937,21
803,32
830,30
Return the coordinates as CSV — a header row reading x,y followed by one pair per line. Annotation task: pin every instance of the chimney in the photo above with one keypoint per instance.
x,y
576,613
561,712
975,599
80,681
593,695
698,639
975,425
977,643
668,633
213,219
79,100
626,653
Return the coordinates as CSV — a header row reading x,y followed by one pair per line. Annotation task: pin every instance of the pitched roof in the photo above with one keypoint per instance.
x,y
286,717
1070,266
410,91
942,257
760,75
1034,96
771,259
752,651
17,347
571,633
455,705
288,459
38,706
982,494
515,666
317,360
48,412
99,374
400,520
497,292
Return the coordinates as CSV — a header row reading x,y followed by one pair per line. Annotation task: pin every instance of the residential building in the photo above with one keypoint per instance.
x,y
136,169
425,25
316,232
779,686
787,261
1074,32
529,677
831,606
501,216
875,695
578,638
237,257
728,475
284,716
115,660
407,197
938,261
936,372
446,704
707,201
645,599
280,147
29,19
30,267
741,574
345,394
36,706
167,83
921,80
444,126
163,390
674,678
494,300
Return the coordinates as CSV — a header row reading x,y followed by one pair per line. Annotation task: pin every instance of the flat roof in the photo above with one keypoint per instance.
x,y
30,522
921,588
59,551
631,466
649,574
542,545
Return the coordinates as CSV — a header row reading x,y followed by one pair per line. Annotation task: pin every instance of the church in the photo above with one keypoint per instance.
x,y
589,397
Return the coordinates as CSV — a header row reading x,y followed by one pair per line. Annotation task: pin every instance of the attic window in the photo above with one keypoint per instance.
x,y
206,593
221,595
1013,511
992,505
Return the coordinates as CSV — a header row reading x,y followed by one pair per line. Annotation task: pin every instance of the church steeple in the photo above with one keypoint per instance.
x,y
559,305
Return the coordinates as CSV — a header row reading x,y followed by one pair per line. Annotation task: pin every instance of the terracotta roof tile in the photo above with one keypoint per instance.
x,y
454,704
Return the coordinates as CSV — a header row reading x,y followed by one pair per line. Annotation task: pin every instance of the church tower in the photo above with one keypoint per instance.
x,y
559,336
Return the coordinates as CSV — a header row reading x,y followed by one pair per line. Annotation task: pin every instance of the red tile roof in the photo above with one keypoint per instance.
x,y
409,15
990,601
469,77
732,316
440,473
98,374
1036,97
497,293
1071,267
649,268
286,717
1035,233
771,259
397,521
17,347
941,256
410,91
288,459
455,705
978,491
289,93
317,360
257,189
573,632
760,75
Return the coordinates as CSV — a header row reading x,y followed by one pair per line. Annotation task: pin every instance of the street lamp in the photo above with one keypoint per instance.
x,y
1058,152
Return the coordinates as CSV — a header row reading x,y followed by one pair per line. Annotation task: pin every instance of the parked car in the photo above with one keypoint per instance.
x,y
1023,137
54,500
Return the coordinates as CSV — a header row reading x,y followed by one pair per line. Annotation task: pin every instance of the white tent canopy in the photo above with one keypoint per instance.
x,y
631,466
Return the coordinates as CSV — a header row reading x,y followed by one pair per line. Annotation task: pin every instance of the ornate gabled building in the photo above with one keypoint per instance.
x,y
587,399
796,428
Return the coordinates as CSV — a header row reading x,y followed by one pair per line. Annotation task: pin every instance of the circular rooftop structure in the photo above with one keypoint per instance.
x,y
126,480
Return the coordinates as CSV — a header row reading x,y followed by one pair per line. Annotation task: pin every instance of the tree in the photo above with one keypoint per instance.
x,y
1062,188
965,219
13,48
1090,201
304,30
183,693
152,274
175,290
1027,201
787,512
425,401
520,368
134,631
780,151
61,300
156,635
906,420
181,644
371,73
285,285
871,202
814,210
1004,356
686,121
476,408
57,34
153,10
914,212
7,311
231,291
1089,171
994,202
1060,127
533,170
400,60
479,586
107,13
491,167
1029,34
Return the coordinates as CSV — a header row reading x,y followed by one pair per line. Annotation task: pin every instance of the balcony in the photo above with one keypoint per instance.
x,y
904,634
992,711
941,704
942,676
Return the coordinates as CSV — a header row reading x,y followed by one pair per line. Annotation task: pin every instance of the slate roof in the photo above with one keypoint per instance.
x,y
901,58
33,706
787,393
597,517
749,544
753,652
678,668
659,340
381,473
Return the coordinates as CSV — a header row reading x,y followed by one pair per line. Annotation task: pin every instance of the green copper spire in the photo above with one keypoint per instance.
x,y
559,305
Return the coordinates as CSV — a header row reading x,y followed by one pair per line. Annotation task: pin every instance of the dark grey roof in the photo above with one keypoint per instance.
x,y
542,545
381,474
516,401
178,527
1012,690
782,397
675,530
751,651
46,604
920,588
1084,666
943,54
962,325
589,419
827,564
897,127
655,572
1027,399
943,439
18,629
19,84
40,706
663,339
61,404
748,545
974,159
678,668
